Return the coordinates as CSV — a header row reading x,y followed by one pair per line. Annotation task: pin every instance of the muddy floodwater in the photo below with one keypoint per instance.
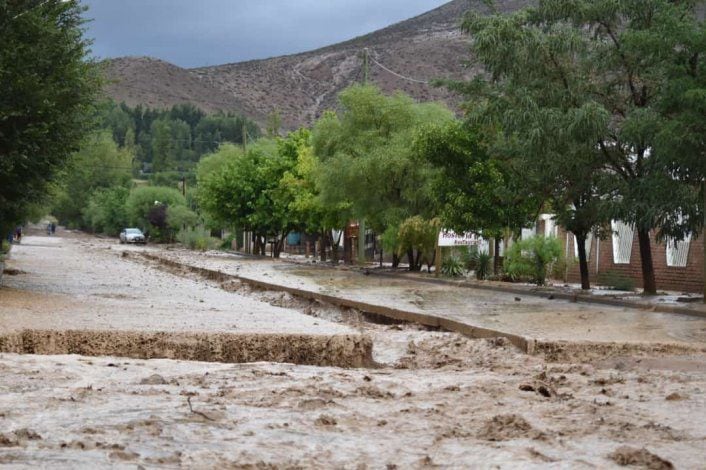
x,y
427,399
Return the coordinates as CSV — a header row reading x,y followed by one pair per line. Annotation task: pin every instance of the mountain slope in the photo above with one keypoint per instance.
x,y
301,86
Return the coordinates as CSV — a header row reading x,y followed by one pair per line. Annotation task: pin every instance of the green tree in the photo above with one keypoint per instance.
x,y
99,164
106,211
475,190
47,85
532,256
147,207
366,159
597,68
247,193
299,188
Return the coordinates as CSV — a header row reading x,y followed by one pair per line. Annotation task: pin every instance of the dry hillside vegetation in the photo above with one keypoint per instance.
x,y
301,86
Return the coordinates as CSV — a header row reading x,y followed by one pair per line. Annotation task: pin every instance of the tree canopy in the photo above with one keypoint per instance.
x,y
576,89
47,86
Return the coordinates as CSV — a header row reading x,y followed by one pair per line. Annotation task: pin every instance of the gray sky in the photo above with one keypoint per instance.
x,y
194,33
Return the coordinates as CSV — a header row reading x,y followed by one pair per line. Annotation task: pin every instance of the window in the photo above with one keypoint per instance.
x,y
622,241
678,252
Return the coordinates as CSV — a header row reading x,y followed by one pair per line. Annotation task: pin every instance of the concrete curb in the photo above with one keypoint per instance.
x,y
553,350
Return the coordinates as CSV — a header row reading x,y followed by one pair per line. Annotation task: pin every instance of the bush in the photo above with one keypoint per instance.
x,y
105,211
616,281
147,206
531,257
482,262
198,239
452,266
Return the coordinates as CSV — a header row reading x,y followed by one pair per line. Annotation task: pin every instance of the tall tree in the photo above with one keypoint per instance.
x,y
476,191
47,86
366,159
593,70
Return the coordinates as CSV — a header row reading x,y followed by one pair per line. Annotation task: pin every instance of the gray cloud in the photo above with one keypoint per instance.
x,y
208,32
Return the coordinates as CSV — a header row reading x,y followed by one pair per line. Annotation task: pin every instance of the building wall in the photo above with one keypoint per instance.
x,y
681,279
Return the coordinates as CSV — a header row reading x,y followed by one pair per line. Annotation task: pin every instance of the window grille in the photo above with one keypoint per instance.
x,y
622,241
678,252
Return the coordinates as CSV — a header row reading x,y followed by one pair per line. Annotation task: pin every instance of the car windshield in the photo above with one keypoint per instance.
x,y
133,231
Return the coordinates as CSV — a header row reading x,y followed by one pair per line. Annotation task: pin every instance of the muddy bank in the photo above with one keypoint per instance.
x,y
318,350
578,351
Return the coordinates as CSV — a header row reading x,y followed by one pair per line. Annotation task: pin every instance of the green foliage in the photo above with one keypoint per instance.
x,y
172,140
390,239
616,281
198,239
247,193
147,207
419,235
452,266
476,191
366,160
589,99
99,164
531,257
482,263
106,211
179,217
47,85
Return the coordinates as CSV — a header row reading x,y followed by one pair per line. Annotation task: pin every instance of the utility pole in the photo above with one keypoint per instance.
x,y
366,65
245,138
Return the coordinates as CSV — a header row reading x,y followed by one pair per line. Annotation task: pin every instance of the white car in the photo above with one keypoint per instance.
x,y
132,235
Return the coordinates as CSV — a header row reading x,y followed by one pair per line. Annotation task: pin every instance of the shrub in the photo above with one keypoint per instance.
x,y
198,239
147,207
452,266
530,258
105,211
482,265
616,281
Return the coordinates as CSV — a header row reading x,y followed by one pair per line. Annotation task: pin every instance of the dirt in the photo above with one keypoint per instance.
x,y
430,398
640,458
337,350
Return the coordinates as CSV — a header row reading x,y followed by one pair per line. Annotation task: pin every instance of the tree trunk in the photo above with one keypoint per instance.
x,y
583,260
322,246
410,259
496,256
395,260
381,257
648,272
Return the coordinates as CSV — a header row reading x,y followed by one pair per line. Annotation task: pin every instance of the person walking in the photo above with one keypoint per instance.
x,y
18,234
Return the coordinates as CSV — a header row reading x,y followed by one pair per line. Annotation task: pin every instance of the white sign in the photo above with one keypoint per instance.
x,y
450,238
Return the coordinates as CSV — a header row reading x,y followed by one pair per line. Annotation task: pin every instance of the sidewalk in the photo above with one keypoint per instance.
x,y
522,314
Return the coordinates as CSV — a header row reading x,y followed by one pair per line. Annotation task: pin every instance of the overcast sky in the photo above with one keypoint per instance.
x,y
194,33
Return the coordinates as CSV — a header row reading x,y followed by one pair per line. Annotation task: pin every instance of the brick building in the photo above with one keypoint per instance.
x,y
678,266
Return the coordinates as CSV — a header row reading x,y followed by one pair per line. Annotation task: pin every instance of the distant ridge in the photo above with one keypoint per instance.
x,y
301,86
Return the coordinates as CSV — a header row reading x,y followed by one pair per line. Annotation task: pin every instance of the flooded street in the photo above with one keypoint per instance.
x,y
425,399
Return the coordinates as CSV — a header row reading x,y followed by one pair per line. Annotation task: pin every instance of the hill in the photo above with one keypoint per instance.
x,y
404,56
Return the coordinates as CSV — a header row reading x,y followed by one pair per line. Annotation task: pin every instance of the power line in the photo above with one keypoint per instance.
x,y
403,77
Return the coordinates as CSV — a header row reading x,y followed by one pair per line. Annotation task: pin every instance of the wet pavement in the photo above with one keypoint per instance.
x,y
530,316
